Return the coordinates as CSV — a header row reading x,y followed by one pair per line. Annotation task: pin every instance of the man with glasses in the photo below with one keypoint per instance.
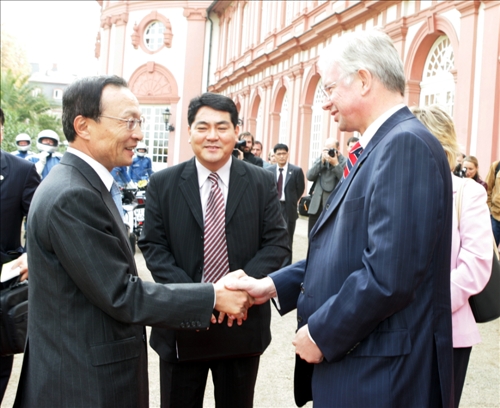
x,y
373,296
86,342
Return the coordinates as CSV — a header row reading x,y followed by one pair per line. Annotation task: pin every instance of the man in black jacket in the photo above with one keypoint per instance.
x,y
248,156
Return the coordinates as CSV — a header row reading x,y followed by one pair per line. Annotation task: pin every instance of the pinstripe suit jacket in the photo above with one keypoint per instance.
x,y
172,244
86,341
375,287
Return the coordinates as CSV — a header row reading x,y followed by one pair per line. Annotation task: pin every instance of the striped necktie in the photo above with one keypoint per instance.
x,y
354,153
215,257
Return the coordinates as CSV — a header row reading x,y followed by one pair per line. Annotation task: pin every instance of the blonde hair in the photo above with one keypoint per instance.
x,y
440,124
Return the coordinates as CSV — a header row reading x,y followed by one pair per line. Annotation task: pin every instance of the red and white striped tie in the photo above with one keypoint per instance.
x,y
354,153
215,258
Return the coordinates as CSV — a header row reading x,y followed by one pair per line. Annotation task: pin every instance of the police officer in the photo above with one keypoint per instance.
x,y
47,144
141,168
23,143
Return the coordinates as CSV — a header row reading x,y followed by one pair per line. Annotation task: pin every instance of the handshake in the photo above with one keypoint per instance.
x,y
237,292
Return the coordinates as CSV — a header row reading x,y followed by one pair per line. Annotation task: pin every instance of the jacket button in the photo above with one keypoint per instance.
x,y
183,325
299,319
302,290
326,206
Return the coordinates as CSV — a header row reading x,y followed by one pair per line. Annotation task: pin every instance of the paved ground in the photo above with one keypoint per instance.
x,y
274,387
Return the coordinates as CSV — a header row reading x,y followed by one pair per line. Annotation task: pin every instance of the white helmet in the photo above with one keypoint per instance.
x,y
23,137
47,134
141,146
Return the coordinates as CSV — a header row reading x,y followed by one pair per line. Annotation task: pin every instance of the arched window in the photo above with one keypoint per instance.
x,y
438,84
316,125
245,29
284,120
153,35
260,124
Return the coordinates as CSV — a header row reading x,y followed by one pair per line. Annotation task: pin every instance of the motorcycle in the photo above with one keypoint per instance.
x,y
134,204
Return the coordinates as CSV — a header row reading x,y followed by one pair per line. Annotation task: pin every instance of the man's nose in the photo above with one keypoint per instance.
x,y
327,104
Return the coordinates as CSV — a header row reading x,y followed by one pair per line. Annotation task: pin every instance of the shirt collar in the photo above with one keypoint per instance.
x,y
375,125
285,168
101,171
223,172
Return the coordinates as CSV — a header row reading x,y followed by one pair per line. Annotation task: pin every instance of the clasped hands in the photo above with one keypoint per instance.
x,y
237,292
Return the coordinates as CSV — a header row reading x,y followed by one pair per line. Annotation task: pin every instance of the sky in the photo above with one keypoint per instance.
x,y
61,32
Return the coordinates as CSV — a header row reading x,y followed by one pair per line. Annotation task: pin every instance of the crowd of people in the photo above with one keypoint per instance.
x,y
381,299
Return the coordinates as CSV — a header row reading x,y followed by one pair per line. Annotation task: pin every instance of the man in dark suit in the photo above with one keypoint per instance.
x,y
86,342
290,184
175,241
373,296
18,182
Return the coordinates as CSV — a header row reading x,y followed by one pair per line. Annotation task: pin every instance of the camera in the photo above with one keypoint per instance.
x,y
459,171
239,145
332,152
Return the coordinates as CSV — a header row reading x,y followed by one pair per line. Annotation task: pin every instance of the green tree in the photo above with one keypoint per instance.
x,y
13,55
25,111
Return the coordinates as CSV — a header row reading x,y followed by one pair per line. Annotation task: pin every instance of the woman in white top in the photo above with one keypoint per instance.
x,y
472,248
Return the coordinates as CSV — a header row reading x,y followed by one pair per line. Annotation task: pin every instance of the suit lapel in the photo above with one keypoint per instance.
x,y
237,186
95,181
289,173
338,194
190,189
5,169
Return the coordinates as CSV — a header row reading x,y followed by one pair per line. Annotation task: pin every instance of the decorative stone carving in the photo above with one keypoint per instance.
x,y
120,19
136,38
97,50
106,22
167,34
153,83
195,14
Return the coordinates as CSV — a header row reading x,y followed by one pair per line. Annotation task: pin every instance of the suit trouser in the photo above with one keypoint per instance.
x,y
290,226
5,370
183,384
460,363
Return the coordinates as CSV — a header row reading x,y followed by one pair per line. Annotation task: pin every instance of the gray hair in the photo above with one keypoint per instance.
x,y
372,50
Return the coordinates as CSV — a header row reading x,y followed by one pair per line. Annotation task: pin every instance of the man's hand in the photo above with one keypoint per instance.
x,y
306,348
22,263
260,289
232,302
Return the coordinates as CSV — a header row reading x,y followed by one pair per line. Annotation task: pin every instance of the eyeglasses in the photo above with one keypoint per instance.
x,y
131,123
328,89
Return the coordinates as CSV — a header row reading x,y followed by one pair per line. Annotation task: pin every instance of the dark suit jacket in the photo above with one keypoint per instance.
x,y
172,244
294,188
86,341
18,183
375,287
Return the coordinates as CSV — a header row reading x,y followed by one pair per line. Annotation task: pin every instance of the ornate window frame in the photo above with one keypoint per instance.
x,y
152,83
139,30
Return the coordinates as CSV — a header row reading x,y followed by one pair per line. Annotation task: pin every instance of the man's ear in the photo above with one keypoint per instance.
x,y
81,125
189,133
366,80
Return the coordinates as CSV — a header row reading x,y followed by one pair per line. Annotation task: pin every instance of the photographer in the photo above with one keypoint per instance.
x,y
326,173
247,149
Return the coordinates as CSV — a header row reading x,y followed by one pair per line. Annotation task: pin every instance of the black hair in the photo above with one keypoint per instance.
x,y
83,97
352,139
215,101
2,117
280,146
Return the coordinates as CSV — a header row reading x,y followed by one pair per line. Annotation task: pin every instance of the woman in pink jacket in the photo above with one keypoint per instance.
x,y
472,248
